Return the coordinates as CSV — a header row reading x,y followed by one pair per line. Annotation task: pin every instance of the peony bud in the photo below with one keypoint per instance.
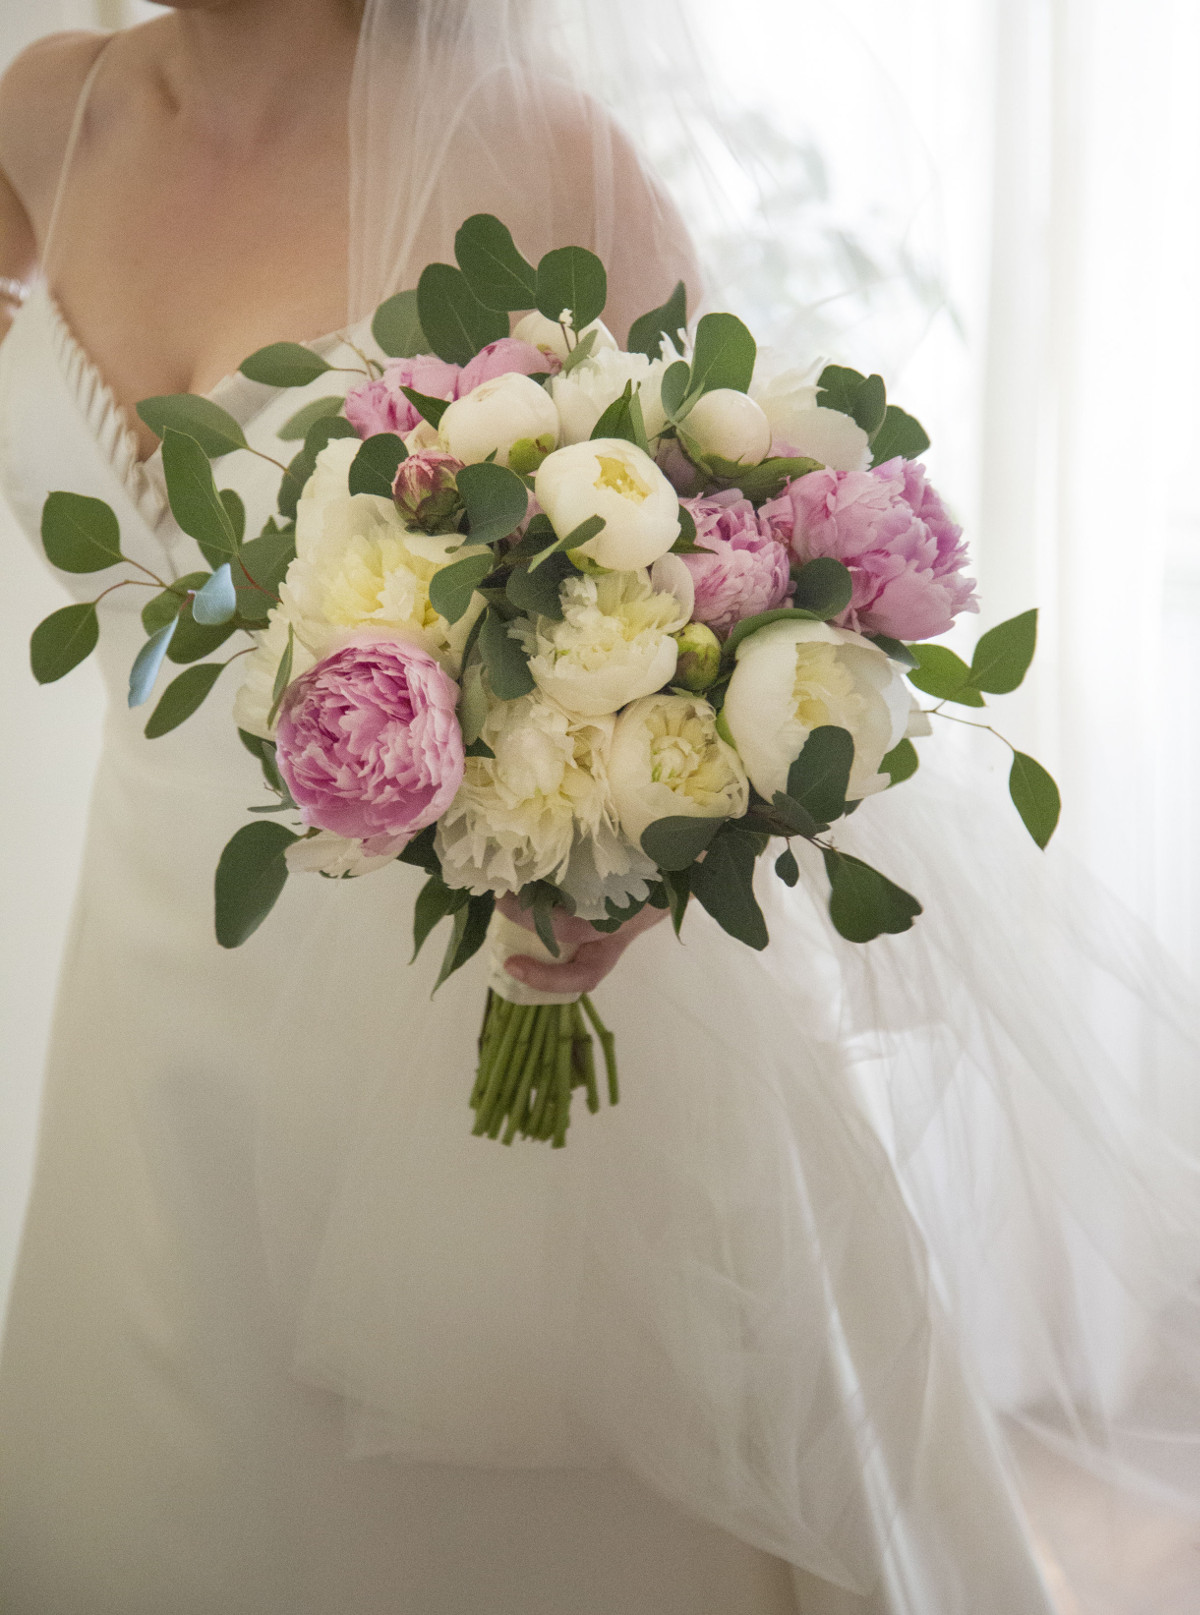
x,y
699,657
548,336
730,425
426,493
614,479
497,414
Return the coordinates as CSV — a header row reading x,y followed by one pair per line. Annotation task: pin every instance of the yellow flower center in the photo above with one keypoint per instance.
x,y
615,474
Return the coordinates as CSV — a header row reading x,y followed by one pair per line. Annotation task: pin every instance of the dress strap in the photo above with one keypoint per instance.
x,y
81,106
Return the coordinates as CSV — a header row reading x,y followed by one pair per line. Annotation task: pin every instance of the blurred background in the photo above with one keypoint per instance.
x,y
995,204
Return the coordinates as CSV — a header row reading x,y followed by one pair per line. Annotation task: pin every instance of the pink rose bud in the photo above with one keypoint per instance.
x,y
889,527
380,406
426,492
746,570
369,743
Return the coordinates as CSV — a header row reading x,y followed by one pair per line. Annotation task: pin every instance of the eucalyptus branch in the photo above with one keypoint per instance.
x,y
969,723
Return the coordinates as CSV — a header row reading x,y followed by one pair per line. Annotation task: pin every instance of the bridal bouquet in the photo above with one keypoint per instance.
x,y
544,616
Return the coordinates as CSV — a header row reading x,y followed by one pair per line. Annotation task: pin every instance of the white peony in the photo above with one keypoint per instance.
x,y
613,644
793,677
328,854
356,566
615,480
727,423
495,415
541,809
549,338
667,758
805,428
583,394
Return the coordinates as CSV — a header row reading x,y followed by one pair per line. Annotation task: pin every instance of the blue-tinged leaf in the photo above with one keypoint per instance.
x,y
216,602
147,663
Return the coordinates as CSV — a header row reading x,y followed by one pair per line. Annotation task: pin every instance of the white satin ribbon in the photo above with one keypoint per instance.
x,y
505,938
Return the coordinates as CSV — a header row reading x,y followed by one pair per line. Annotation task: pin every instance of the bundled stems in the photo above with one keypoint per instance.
x,y
531,1059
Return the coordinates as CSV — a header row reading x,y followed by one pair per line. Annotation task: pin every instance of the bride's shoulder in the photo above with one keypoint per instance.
x,y
38,93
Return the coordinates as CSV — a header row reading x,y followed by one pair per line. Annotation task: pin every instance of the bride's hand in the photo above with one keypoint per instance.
x,y
597,951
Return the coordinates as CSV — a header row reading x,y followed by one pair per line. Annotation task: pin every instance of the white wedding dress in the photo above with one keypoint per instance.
x,y
286,1340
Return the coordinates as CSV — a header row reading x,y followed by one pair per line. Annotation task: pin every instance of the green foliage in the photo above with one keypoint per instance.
x,y
942,674
195,503
724,354
901,762
192,640
429,409
467,937
674,843
896,649
818,778
397,327
723,883
787,868
284,364
674,389
863,398
572,278
624,419
569,541
824,587
160,610
455,322
236,511
761,482
450,590
216,602
250,876
669,320
541,897
295,429
199,418
794,819
504,660
80,534
62,640
421,853
373,469
260,568
1003,654
580,353
496,272
183,696
283,675
899,435
146,664
864,904
434,902
538,591
322,432
1035,796
496,501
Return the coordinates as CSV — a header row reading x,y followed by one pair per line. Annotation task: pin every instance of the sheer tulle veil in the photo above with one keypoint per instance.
x,y
830,1164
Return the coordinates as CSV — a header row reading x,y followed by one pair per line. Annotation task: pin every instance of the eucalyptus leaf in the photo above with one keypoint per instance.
x,y
455,322
723,355
396,327
896,649
824,587
62,640
1003,654
864,904
863,398
578,536
901,762
373,469
538,592
434,902
507,668
283,676
669,320
787,868
572,278
183,696
295,428
216,602
259,569
542,903
250,876
678,887
235,509
674,387
284,364
160,610
451,588
818,778
686,543
195,503
429,409
146,664
750,625
723,883
80,534
212,427
624,419
580,353
468,936
674,843
764,481
421,853
496,501
798,819
478,748
497,273
900,435
1035,796
942,674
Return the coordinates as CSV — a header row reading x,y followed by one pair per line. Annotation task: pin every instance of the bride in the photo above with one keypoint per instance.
x,y
283,1337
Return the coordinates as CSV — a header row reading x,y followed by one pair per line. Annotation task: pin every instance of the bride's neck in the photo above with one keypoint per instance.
x,y
246,70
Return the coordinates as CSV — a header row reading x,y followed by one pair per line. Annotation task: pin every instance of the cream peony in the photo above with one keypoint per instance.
x,y
549,338
615,480
667,758
541,810
498,413
583,394
793,677
729,424
613,644
801,427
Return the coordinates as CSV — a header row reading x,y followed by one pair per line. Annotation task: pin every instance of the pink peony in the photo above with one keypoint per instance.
x,y
890,528
369,743
503,358
747,571
380,406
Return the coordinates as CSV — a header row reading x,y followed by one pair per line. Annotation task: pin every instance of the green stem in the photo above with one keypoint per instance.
x,y
609,1044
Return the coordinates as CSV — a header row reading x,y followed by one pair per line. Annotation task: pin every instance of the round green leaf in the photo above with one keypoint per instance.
x,y
164,607
901,762
182,697
496,499
506,664
284,364
647,332
212,427
821,773
724,354
259,569
397,327
373,469
723,883
250,876
864,904
787,868
63,640
1035,796
80,534
900,435
497,273
450,590
456,323
824,587
572,278
295,428
674,843
1003,654
942,674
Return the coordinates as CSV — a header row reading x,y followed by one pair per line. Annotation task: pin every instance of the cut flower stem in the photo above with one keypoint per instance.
x,y
532,1057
